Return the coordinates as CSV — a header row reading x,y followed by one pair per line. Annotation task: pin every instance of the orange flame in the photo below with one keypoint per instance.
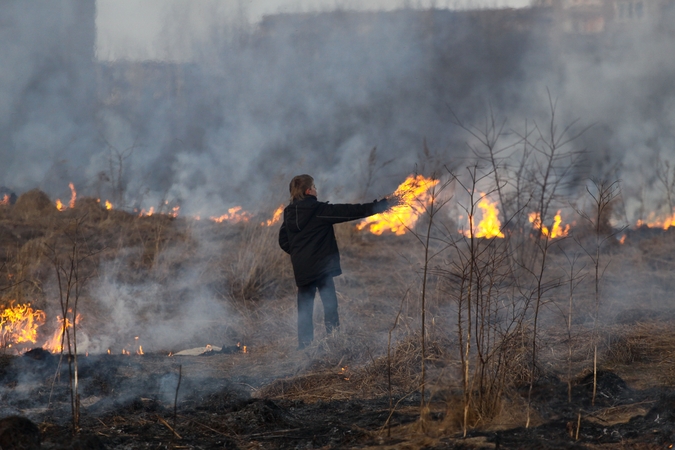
x,y
140,347
5,200
653,222
107,204
71,204
54,343
400,218
556,230
148,213
19,324
344,371
276,217
233,215
73,195
489,226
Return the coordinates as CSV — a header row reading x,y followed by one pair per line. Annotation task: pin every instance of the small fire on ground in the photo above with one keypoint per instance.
x,y
652,221
233,215
20,327
19,324
415,199
344,373
20,330
276,217
236,214
73,197
489,225
555,231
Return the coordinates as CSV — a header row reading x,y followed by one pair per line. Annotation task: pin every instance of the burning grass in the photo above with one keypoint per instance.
x,y
224,283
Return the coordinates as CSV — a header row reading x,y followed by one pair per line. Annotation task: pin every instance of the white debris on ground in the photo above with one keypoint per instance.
x,y
197,351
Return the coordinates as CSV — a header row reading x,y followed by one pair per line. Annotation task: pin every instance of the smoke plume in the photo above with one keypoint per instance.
x,y
315,92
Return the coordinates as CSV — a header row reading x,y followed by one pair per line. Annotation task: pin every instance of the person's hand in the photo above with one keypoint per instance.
x,y
394,200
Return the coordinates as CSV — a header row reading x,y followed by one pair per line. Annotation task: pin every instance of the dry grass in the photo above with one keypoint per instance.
x,y
245,269
643,347
32,204
649,342
342,366
257,267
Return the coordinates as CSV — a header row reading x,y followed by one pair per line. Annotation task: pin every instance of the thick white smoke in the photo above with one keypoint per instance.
x,y
314,92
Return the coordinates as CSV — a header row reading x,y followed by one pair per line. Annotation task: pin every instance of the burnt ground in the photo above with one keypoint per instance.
x,y
158,401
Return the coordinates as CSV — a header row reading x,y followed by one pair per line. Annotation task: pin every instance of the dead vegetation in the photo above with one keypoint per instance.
x,y
448,339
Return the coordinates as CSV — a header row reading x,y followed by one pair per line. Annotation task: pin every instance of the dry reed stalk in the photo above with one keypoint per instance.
x,y
257,266
166,424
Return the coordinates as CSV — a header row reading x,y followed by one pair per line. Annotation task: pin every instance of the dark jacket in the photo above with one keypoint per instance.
x,y
307,235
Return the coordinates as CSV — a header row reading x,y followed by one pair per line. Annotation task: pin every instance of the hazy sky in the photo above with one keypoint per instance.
x,y
168,29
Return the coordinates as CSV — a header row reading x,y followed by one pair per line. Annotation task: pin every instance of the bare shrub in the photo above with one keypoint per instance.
x,y
401,370
478,279
457,417
499,286
603,194
68,251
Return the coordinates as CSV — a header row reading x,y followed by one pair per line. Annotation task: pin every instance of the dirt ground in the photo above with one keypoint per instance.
x,y
356,389
228,401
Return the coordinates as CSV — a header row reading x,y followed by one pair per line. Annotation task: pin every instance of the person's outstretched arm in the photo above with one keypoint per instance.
x,y
344,212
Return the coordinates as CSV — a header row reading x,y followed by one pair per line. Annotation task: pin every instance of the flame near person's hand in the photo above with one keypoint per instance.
x,y
411,199
394,200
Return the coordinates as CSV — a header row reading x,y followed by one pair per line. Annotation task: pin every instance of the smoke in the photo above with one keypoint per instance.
x,y
47,93
228,115
157,314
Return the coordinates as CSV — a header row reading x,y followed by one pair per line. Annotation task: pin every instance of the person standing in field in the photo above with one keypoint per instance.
x,y
307,235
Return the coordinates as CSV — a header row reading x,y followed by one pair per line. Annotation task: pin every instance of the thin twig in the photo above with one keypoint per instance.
x,y
209,428
165,423
386,423
175,401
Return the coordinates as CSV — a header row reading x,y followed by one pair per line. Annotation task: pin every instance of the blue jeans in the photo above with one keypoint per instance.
x,y
306,294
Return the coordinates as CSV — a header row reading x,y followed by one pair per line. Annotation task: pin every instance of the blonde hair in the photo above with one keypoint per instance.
x,y
299,185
